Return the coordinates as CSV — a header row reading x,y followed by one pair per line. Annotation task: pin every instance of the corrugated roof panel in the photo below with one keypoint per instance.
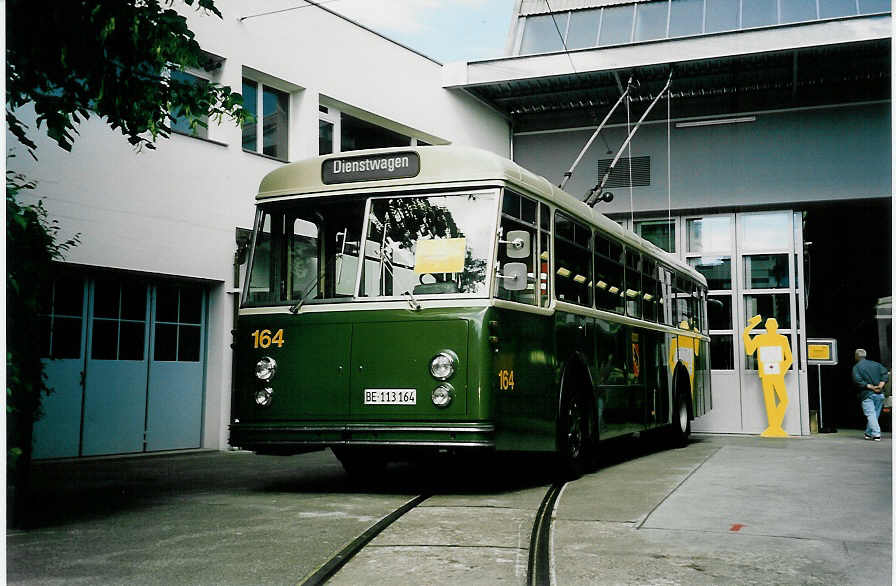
x,y
541,7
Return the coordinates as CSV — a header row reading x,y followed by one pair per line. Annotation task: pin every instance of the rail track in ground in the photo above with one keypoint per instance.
x,y
538,571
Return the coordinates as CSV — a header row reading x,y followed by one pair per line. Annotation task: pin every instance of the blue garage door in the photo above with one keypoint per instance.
x,y
126,362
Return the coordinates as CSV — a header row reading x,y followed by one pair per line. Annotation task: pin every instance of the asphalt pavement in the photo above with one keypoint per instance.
x,y
723,510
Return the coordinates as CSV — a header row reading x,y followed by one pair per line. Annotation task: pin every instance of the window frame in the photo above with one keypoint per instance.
x,y
200,131
261,85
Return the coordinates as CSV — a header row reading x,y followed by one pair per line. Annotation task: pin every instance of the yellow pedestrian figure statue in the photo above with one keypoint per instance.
x,y
774,359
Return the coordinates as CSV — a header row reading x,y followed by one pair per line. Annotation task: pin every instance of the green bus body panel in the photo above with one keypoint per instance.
x,y
319,384
328,359
526,412
396,355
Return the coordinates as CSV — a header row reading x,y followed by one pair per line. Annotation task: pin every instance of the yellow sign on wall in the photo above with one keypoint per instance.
x,y
819,352
441,255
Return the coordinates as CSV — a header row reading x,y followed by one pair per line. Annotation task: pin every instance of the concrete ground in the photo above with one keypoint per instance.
x,y
723,510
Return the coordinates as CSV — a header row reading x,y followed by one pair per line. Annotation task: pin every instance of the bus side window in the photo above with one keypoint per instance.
x,y
518,213
609,273
666,307
633,290
683,304
544,255
572,246
649,285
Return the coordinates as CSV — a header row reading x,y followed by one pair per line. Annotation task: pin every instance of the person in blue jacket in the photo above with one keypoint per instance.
x,y
871,377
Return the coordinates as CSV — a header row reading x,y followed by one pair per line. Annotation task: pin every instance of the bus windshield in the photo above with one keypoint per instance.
x,y
307,250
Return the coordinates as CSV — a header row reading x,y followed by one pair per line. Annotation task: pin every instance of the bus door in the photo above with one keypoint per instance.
x,y
619,379
656,378
524,375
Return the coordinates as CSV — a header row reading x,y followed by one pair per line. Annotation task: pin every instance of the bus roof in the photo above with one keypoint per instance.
x,y
446,166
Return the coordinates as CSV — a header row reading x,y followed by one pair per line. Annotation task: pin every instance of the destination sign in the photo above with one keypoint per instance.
x,y
370,168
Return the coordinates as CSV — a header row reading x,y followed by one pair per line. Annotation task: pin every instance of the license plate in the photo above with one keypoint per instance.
x,y
390,396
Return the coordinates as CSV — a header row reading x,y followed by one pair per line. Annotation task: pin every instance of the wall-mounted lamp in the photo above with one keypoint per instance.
x,y
717,122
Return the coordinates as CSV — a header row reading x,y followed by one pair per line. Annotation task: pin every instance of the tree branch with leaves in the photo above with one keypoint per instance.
x,y
110,58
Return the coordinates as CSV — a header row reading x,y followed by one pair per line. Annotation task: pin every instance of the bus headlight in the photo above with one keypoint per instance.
x,y
263,397
442,395
265,368
443,365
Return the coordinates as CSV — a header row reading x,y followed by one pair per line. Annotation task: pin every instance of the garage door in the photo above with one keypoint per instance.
x,y
127,369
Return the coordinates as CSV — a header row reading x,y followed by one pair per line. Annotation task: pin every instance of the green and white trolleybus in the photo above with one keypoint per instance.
x,y
433,298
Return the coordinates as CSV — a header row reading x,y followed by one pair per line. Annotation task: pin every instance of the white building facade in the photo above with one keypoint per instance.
x,y
139,323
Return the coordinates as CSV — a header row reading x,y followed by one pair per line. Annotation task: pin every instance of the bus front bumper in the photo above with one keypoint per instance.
x,y
296,438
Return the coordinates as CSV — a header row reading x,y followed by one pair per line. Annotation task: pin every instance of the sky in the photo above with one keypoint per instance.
x,y
446,30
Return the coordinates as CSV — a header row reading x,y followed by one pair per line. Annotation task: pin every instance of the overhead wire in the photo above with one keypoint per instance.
x,y
560,34
669,168
305,4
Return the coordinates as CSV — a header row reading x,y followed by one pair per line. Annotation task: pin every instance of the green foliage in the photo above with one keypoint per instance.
x,y
111,58
31,248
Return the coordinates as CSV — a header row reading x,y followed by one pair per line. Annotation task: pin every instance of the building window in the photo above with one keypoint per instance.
x,y
61,316
617,25
712,234
835,8
324,137
658,232
180,122
798,11
716,269
357,134
119,320
710,251
874,6
651,20
269,109
686,18
583,28
541,35
178,323
759,13
721,15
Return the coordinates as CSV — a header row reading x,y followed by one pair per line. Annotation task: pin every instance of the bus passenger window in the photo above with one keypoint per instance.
x,y
649,285
664,293
683,303
544,255
573,261
518,213
609,273
633,290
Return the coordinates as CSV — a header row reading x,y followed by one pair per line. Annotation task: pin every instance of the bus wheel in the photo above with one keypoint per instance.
x,y
359,463
572,441
681,424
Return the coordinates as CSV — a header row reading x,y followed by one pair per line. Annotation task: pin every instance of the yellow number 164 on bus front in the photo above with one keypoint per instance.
x,y
264,338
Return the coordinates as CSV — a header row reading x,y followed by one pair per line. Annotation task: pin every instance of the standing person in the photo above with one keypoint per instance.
x,y
870,377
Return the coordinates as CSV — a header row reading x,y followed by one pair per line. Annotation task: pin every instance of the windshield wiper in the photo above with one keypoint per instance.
x,y
316,283
415,305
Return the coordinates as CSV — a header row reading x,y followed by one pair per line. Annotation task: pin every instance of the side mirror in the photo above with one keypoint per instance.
x,y
515,275
519,244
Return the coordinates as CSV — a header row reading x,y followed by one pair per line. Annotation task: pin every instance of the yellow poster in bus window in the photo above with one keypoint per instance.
x,y
819,352
441,255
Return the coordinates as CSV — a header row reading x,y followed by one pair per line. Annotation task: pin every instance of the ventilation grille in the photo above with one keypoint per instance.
x,y
640,176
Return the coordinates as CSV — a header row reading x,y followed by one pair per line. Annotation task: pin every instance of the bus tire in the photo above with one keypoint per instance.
x,y
359,463
681,415
573,441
